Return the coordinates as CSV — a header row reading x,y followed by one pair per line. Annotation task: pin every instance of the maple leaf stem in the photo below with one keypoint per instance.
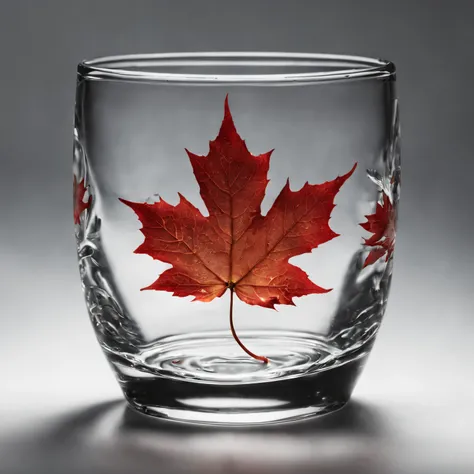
x,y
234,334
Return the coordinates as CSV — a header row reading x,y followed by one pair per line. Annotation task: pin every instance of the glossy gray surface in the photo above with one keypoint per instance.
x,y
412,411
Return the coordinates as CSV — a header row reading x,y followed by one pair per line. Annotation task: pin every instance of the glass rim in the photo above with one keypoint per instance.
x,y
134,67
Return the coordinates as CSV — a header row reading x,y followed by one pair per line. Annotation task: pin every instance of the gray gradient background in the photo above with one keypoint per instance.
x,y
413,409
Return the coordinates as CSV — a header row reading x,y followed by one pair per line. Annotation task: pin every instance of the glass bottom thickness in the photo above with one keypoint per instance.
x,y
204,379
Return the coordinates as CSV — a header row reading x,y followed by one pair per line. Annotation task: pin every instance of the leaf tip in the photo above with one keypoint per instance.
x,y
351,171
228,127
128,203
190,154
227,113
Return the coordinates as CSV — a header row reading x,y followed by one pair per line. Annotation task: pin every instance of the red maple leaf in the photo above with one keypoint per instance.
x,y
236,248
79,190
382,225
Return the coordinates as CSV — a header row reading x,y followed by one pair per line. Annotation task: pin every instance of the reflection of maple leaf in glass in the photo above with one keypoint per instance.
x,y
382,225
79,190
236,248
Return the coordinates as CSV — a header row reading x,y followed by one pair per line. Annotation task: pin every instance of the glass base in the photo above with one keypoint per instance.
x,y
207,379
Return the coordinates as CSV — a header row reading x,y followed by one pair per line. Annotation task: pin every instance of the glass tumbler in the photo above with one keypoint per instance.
x,y
235,219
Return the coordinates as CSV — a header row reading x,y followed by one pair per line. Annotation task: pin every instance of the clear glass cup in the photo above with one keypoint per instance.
x,y
235,220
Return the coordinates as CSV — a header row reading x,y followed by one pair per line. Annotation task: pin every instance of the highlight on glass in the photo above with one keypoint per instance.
x,y
235,216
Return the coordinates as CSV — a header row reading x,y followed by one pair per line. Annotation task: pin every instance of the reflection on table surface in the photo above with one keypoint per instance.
x,y
112,438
